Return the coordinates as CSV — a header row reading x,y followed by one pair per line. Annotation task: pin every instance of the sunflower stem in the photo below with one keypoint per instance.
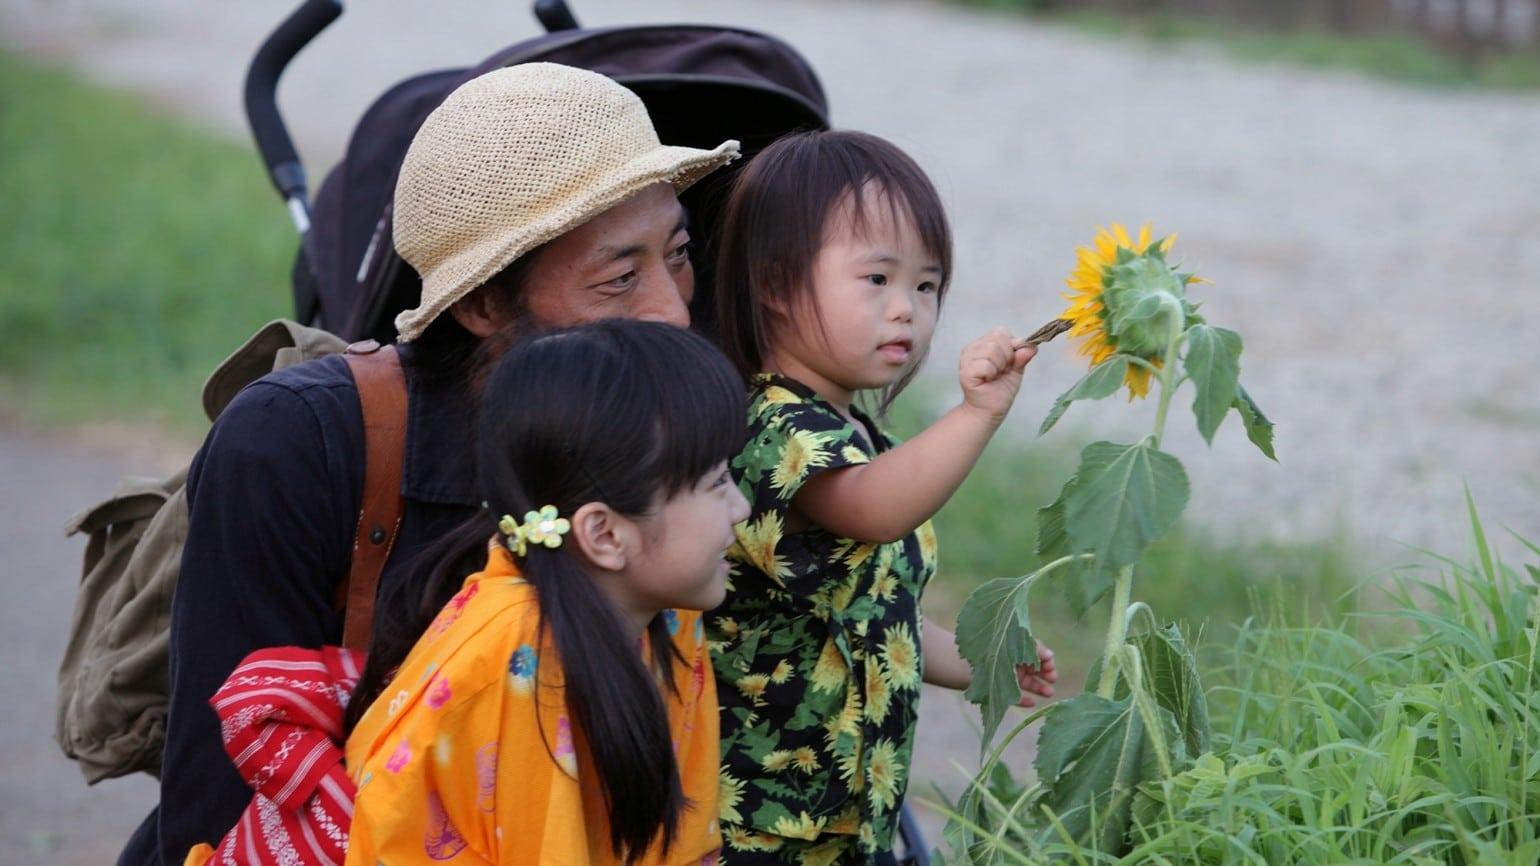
x,y
1117,630
1169,381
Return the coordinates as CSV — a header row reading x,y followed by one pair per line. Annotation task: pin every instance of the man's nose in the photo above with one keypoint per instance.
x,y
666,302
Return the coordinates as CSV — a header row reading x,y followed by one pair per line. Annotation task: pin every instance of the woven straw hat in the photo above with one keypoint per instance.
x,y
517,157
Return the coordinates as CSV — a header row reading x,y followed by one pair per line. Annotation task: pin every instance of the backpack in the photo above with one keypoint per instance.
x,y
113,682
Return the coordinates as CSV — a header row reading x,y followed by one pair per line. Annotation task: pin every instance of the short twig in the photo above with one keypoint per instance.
x,y
1044,334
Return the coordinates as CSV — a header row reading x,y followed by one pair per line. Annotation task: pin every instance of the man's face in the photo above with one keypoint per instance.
x,y
630,262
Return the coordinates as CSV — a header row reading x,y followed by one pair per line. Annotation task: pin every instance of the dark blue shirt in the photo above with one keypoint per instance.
x,y
273,499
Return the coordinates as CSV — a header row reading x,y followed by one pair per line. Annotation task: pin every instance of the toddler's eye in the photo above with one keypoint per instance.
x,y
877,279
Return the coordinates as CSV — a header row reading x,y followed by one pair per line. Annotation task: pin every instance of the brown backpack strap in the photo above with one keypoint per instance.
x,y
382,394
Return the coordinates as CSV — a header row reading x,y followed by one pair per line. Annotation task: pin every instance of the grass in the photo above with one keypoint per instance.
x,y
1408,735
1391,56
138,252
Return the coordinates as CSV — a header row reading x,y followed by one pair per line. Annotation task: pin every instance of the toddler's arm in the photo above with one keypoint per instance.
x,y
890,497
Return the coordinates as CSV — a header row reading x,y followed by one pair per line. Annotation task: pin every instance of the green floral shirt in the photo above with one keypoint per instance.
x,y
817,646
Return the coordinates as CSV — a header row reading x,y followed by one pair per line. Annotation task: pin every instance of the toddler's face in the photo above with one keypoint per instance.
x,y
683,562
877,292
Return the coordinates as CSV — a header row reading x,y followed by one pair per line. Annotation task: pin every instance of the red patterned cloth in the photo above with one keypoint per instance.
x,y
280,714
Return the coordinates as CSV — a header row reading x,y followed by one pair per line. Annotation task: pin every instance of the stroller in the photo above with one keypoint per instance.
x,y
701,85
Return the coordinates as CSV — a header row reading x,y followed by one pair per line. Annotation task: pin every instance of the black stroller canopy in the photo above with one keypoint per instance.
x,y
701,84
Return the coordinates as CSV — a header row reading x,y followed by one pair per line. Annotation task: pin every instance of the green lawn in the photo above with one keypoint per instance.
x,y
1390,56
138,252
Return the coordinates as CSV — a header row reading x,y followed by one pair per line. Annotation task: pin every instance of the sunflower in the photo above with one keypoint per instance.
x,y
757,541
803,450
803,826
901,658
829,671
1119,269
882,774
878,695
753,687
729,795
776,761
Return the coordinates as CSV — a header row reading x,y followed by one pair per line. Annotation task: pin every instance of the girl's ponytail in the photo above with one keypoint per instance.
x,y
614,700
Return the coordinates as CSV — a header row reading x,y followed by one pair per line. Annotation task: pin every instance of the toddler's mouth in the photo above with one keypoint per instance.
x,y
896,351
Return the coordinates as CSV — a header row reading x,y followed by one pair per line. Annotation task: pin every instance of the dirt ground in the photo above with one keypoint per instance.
x,y
1372,242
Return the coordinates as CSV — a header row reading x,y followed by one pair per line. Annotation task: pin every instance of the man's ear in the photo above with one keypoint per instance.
x,y
482,312
604,537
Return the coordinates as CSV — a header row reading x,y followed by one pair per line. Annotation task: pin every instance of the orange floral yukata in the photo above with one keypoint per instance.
x,y
464,760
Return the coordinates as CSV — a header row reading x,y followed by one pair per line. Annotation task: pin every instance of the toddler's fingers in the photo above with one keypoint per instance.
x,y
1022,357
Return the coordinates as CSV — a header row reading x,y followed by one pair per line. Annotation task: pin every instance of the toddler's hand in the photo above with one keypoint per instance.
x,y
990,372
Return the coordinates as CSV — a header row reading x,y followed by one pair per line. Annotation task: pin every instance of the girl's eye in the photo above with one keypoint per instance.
x,y
723,479
877,279
681,252
927,288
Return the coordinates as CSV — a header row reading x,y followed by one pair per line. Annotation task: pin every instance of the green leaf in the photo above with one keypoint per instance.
x,y
1092,755
994,634
1052,542
1123,498
1214,363
1103,381
1085,583
1171,675
1258,429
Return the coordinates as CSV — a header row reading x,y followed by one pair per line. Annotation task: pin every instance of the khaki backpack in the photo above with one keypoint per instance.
x,y
113,683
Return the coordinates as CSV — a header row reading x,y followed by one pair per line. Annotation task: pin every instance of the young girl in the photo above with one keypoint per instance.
x,y
835,258
553,705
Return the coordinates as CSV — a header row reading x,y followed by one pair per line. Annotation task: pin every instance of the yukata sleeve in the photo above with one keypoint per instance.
x,y
791,441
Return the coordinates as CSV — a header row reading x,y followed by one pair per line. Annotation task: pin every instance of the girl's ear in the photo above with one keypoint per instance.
x,y
604,537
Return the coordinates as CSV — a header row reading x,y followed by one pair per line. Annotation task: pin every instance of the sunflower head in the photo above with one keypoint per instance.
x,y
1122,295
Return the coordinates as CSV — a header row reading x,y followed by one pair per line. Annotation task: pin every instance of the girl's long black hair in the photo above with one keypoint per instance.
x,y
621,412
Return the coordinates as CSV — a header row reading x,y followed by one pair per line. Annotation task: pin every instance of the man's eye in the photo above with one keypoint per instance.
x,y
877,279
624,281
681,252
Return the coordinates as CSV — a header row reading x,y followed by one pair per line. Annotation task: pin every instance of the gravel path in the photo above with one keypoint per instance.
x,y
1371,241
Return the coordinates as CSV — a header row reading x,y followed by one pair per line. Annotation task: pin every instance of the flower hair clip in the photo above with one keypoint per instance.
x,y
539,527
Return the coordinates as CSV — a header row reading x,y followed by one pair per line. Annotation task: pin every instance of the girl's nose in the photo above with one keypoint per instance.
x,y
901,307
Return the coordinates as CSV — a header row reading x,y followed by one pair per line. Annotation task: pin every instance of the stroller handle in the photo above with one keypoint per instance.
x,y
267,126
555,15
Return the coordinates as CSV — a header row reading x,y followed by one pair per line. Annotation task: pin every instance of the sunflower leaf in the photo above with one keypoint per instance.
x,y
1123,498
994,634
1103,381
1258,429
1214,363
1092,755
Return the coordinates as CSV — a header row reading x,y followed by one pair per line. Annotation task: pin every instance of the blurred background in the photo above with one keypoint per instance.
x,y
1359,180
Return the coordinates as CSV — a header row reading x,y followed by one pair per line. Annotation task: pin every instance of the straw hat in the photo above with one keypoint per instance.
x,y
515,158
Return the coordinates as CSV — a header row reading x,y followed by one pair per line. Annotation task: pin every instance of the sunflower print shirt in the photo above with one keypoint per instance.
x,y
816,647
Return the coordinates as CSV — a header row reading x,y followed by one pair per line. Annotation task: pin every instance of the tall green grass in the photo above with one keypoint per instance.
x,y
1409,735
137,251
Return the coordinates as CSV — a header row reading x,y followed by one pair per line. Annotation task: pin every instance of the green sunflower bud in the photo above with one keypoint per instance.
x,y
1142,294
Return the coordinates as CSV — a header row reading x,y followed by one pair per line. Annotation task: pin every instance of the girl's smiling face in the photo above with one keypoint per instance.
x,y
875,300
681,559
